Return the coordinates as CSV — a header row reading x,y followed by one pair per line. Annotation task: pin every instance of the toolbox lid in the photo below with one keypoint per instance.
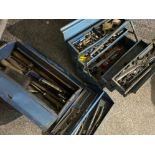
x,y
77,26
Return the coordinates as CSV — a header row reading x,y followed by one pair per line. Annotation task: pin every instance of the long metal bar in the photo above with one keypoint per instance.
x,y
134,31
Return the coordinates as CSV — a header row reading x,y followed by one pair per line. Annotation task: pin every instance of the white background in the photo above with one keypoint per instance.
x,y
77,145
77,9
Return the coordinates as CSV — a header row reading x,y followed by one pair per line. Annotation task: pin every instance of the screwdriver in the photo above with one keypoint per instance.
x,y
44,81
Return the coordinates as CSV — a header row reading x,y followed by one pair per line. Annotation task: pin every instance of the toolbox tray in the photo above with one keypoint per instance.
x,y
135,49
141,78
127,45
77,36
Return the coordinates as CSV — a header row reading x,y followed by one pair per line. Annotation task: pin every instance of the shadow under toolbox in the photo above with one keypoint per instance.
x,y
107,53
49,96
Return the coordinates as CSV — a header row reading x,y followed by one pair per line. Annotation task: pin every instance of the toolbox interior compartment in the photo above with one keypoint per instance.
x,y
40,79
100,66
94,118
96,51
89,116
125,59
135,72
65,124
83,41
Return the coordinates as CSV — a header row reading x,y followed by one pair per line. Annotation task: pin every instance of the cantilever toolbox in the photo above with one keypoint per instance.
x,y
47,94
109,54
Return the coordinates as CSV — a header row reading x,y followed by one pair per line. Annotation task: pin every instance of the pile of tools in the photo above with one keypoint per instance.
x,y
87,126
99,48
92,121
36,80
97,33
132,71
104,62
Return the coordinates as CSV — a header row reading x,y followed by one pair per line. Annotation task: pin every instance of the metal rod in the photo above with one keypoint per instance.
x,y
49,92
134,32
47,96
34,74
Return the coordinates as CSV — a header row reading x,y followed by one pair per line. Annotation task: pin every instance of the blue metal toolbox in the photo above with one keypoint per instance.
x,y
47,94
108,53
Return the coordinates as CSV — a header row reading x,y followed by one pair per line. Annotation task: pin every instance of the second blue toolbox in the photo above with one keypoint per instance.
x,y
107,53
